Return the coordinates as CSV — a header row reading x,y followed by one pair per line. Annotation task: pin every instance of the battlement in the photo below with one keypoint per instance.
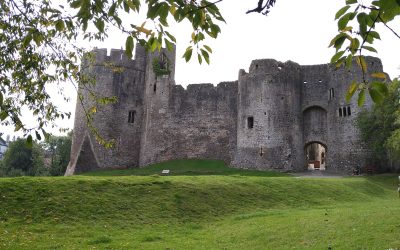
x,y
268,66
116,58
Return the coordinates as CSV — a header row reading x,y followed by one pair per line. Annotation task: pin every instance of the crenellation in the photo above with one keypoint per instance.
x,y
265,120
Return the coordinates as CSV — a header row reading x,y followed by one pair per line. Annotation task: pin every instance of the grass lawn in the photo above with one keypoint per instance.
x,y
202,205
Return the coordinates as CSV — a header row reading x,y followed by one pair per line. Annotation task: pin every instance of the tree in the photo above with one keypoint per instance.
x,y
23,159
58,149
380,129
39,45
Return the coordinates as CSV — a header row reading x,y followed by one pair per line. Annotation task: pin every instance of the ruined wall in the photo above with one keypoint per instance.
x,y
345,149
199,122
115,75
270,98
264,120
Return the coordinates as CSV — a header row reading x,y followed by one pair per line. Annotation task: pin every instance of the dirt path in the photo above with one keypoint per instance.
x,y
318,174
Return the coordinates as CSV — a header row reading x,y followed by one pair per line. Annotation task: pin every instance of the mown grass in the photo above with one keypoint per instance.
x,y
186,167
233,211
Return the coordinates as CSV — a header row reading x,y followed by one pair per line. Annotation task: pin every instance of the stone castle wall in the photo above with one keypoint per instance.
x,y
265,120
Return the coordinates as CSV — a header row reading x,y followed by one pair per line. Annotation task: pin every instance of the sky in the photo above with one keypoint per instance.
x,y
299,31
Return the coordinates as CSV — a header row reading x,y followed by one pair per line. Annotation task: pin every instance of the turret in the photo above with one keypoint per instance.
x,y
120,122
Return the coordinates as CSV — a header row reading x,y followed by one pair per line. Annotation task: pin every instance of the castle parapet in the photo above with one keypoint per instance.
x,y
117,58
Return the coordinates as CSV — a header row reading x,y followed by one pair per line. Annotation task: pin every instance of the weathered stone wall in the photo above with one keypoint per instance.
x,y
264,120
199,122
115,75
345,150
270,95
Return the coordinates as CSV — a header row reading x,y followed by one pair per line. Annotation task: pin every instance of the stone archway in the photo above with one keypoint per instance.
x,y
315,155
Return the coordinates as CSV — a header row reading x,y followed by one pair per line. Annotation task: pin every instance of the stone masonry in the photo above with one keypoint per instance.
x,y
264,120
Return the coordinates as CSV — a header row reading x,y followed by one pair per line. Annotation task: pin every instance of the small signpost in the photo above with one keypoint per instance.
x,y
165,172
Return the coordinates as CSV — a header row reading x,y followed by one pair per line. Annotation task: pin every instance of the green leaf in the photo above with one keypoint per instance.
x,y
351,1
111,11
207,48
1,99
205,55
336,57
380,87
349,61
361,97
369,48
362,63
3,115
376,96
168,44
129,46
355,43
60,26
188,54
199,58
38,135
76,4
343,21
29,141
342,11
338,36
352,89
374,34
100,25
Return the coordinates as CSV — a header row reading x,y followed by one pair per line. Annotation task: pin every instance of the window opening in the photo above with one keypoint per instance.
x,y
331,93
131,116
344,111
340,112
261,151
348,111
155,87
250,122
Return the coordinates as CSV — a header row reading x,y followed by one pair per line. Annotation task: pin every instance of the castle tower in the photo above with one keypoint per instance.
x,y
115,75
160,78
269,123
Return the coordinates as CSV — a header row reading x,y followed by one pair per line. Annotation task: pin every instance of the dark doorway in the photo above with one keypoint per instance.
x,y
315,155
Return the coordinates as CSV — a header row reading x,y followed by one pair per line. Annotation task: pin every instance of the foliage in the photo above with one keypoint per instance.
x,y
23,159
39,48
159,69
58,150
379,128
357,23
185,212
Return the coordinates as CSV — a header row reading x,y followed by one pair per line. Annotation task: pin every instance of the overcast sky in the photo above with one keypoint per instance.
x,y
299,31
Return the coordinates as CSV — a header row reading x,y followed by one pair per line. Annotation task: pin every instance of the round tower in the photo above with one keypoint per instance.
x,y
269,132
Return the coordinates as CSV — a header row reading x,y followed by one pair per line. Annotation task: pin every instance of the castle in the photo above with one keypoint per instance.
x,y
281,116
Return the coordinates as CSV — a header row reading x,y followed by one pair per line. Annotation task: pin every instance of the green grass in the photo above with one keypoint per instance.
x,y
186,167
239,210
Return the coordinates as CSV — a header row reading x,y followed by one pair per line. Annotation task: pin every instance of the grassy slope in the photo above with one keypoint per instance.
x,y
243,210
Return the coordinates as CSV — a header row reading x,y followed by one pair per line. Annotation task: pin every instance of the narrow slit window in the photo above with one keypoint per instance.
x,y
340,112
261,151
331,93
348,111
344,111
155,87
250,122
131,116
